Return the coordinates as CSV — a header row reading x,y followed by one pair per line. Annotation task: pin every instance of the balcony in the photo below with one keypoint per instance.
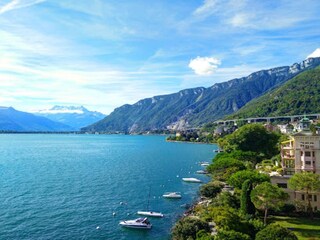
x,y
287,156
307,168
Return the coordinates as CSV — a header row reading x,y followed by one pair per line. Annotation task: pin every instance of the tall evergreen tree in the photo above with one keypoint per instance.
x,y
247,207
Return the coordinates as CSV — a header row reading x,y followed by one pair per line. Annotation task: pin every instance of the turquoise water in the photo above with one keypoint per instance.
x,y
64,186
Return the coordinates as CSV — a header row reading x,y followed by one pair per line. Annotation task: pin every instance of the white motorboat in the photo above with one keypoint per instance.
x,y
202,172
204,164
140,223
172,195
150,213
193,180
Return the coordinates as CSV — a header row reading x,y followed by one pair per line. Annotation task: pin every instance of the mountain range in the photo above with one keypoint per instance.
x,y
194,107
73,116
14,120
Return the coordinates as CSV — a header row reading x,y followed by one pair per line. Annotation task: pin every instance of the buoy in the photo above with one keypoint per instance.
x,y
113,213
97,227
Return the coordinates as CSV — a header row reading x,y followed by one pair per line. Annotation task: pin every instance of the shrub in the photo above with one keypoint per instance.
x,y
187,228
231,235
211,189
275,232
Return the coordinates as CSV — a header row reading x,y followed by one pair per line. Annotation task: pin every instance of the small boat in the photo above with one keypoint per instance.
x,y
140,223
202,172
194,180
172,195
150,213
204,164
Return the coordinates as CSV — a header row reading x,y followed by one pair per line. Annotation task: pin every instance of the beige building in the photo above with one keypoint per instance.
x,y
300,153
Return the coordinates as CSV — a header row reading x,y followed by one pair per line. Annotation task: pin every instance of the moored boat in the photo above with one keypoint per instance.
x,y
172,195
150,213
202,172
139,223
193,180
204,164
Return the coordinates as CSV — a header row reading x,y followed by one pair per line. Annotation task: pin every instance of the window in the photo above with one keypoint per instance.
x,y
308,154
282,185
315,198
315,209
310,197
308,162
302,197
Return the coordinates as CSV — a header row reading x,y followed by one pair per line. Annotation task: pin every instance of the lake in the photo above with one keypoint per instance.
x,y
56,186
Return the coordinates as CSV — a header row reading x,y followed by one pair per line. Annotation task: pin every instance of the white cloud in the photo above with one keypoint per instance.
x,y
204,65
315,54
206,9
15,4
241,20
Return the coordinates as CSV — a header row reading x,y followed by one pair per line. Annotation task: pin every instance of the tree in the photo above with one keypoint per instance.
x,y
187,228
306,182
253,138
203,235
226,218
223,168
231,235
226,199
211,189
238,178
274,232
268,196
247,206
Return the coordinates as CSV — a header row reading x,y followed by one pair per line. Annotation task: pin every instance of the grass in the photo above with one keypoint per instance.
x,y
304,228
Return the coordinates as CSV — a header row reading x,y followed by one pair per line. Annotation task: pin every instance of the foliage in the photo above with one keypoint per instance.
x,y
203,235
297,96
226,218
211,189
247,207
187,228
231,235
268,196
253,138
238,178
223,168
226,199
306,182
275,232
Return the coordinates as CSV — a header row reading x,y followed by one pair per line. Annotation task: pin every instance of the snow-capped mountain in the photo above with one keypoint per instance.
x,y
73,116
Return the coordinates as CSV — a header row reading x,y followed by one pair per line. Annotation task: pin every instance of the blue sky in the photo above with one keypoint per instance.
x,y
103,54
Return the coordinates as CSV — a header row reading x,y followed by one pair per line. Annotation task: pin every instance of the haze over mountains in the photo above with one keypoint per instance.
x,y
195,107
75,117
14,120
56,119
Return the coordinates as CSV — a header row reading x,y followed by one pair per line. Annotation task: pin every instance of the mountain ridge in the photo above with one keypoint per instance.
x,y
298,95
197,106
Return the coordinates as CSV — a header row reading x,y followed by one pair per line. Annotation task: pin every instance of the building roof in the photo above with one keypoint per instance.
x,y
304,133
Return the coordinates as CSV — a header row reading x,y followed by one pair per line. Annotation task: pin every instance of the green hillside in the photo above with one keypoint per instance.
x,y
297,96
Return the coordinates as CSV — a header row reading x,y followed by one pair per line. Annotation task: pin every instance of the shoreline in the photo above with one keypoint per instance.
x,y
175,141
